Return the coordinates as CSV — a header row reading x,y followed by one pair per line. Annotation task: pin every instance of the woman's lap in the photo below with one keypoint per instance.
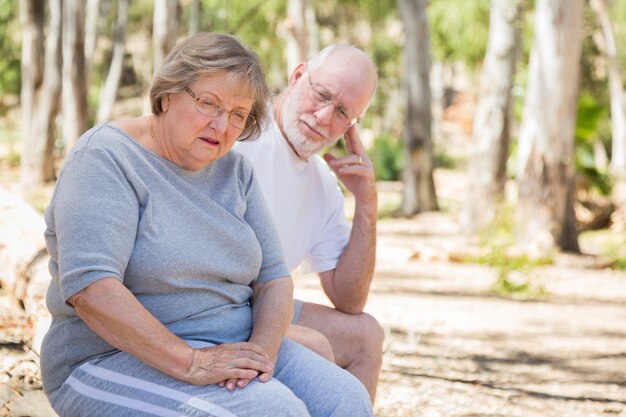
x,y
325,388
123,386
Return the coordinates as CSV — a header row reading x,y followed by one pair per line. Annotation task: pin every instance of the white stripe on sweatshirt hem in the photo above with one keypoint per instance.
x,y
131,403
157,389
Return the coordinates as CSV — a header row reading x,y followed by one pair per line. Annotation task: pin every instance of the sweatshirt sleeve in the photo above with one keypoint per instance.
x,y
94,215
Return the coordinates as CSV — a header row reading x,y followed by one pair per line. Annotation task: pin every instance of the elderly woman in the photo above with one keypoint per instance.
x,y
170,296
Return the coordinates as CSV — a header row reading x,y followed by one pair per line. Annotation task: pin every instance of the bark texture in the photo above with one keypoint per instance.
x,y
419,186
546,148
41,90
492,120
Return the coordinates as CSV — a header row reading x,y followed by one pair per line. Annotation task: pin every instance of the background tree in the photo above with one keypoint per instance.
x,y
493,116
298,35
11,38
458,41
616,90
41,89
109,91
419,186
164,29
74,83
546,150
194,16
92,30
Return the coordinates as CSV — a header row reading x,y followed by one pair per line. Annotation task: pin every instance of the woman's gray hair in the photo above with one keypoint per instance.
x,y
206,54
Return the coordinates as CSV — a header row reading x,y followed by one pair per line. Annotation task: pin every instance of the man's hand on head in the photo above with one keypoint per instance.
x,y
356,171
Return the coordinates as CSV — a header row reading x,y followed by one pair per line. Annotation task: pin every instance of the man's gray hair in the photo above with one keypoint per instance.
x,y
359,61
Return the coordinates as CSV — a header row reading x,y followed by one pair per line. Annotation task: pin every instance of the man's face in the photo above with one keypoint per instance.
x,y
312,122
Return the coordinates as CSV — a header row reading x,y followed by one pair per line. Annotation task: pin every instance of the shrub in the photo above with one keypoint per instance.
x,y
386,155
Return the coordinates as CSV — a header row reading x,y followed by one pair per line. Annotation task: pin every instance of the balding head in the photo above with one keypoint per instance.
x,y
356,63
325,97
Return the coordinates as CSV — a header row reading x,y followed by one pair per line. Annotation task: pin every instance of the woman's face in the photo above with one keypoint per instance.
x,y
192,139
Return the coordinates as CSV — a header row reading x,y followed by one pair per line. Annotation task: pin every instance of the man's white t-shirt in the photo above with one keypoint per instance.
x,y
304,199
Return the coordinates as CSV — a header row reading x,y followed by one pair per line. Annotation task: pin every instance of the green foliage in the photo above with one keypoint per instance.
x,y
443,160
499,240
386,155
592,115
617,14
389,209
459,30
385,51
10,32
606,244
13,158
526,290
372,25
258,24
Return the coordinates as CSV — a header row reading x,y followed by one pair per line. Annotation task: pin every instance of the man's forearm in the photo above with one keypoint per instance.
x,y
348,285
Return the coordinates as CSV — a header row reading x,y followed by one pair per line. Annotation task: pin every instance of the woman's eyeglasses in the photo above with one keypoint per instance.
x,y
209,107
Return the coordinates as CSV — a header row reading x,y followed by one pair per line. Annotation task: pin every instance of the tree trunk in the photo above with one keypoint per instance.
x,y
298,39
419,186
616,89
312,29
492,120
111,85
545,170
41,95
74,81
91,34
165,29
618,105
194,16
32,20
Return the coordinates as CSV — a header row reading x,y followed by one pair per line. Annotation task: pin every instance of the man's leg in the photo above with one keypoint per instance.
x,y
356,341
311,339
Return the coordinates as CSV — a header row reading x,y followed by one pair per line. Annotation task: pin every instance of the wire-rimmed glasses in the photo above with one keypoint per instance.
x,y
208,107
322,97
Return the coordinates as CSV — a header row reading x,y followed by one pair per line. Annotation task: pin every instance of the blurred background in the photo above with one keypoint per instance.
x,y
498,127
526,97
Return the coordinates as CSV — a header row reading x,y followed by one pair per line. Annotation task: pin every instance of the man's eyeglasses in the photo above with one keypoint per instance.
x,y
208,107
322,97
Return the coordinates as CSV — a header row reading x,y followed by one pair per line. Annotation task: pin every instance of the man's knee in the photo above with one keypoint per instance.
x,y
351,335
370,333
311,339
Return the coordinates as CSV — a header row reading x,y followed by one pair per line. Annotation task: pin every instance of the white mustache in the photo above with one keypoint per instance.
x,y
312,123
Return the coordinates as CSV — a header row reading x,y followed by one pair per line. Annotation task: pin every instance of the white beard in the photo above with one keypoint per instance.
x,y
304,146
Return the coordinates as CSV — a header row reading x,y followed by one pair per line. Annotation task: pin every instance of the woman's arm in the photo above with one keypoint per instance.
x,y
272,310
115,314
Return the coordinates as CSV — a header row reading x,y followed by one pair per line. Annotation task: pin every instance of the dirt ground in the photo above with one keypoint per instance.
x,y
452,348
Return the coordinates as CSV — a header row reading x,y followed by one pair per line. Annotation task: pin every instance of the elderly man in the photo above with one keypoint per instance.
x,y
325,100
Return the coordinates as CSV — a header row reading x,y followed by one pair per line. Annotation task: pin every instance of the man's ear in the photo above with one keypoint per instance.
x,y
297,73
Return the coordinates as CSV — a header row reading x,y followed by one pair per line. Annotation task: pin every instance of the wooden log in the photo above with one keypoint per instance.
x,y
24,262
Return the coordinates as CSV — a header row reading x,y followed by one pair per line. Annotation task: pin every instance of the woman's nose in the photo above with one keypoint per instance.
x,y
219,123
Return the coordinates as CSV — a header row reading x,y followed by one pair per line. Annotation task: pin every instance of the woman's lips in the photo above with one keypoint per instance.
x,y
210,141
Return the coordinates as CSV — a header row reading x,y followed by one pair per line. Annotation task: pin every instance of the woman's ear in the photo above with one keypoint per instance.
x,y
165,102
